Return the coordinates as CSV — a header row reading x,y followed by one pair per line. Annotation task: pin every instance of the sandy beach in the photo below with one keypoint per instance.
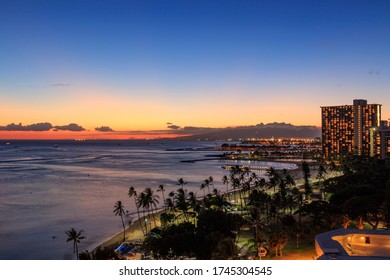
x,y
133,232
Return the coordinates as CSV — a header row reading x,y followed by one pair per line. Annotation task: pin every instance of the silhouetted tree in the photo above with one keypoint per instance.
x,y
181,202
162,190
76,237
173,242
181,182
133,193
277,241
306,177
151,201
119,211
386,205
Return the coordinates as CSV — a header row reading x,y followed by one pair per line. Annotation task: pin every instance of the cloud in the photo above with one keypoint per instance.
x,y
374,72
69,127
31,127
172,126
193,128
104,129
60,85
189,129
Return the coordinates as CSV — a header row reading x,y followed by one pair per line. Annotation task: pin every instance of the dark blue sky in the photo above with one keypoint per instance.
x,y
181,53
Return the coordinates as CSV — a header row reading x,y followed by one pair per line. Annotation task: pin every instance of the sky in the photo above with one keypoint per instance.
x,y
125,69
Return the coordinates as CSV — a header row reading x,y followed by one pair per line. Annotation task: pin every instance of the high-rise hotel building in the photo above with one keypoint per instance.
x,y
346,128
380,141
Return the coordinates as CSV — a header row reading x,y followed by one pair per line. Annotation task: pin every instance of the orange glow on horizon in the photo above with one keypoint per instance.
x,y
70,135
151,108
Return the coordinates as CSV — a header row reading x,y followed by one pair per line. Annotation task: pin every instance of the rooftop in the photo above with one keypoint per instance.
x,y
353,244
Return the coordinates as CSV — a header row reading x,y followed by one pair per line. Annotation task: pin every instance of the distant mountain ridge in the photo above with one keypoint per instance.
x,y
276,130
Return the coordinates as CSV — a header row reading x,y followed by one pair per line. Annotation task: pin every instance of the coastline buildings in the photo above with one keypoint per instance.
x,y
380,141
346,128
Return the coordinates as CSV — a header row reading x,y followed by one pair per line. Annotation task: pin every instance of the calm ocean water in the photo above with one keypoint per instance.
x,y
48,187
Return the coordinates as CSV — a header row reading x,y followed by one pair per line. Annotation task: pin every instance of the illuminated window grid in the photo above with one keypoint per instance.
x,y
338,128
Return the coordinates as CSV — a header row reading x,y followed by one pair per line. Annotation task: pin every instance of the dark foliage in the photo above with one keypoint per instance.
x,y
213,238
361,192
99,254
227,224
172,242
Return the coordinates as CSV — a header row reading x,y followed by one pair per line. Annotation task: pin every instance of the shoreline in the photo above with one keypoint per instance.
x,y
133,232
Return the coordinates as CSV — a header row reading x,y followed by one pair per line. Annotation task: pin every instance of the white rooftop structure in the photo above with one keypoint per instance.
x,y
353,244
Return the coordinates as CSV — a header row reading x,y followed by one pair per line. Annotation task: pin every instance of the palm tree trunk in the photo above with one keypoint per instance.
x,y
124,230
240,200
145,223
139,217
165,207
154,218
76,250
149,219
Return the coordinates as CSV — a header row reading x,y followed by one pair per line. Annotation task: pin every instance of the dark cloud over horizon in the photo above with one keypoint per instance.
x,y
69,127
104,129
174,127
31,127
188,129
44,126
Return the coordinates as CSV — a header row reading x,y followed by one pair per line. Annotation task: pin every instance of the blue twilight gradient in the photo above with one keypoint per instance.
x,y
181,45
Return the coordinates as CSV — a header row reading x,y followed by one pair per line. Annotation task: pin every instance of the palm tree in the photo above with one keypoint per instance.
x,y
181,182
202,187
236,178
254,218
278,241
194,204
246,171
76,237
236,184
297,197
211,181
262,183
181,202
306,177
285,180
119,211
152,201
321,177
218,201
133,193
162,190
274,178
289,180
245,188
170,205
207,184
225,181
142,202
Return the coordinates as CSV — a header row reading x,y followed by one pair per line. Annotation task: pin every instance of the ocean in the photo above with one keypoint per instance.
x,y
47,187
